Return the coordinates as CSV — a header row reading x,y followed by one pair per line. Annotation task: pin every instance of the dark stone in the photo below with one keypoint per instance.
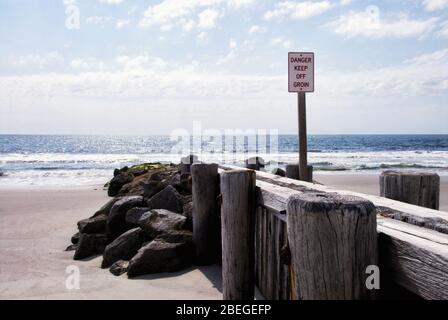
x,y
89,245
160,221
72,247
124,247
117,172
119,267
116,221
255,163
106,208
93,225
156,177
75,238
152,187
168,199
136,172
176,236
159,256
118,182
279,172
134,215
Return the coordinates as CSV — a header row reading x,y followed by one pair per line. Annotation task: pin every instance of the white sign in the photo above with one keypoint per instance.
x,y
301,72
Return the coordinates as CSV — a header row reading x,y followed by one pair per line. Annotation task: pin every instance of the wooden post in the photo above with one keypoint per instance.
x,y
419,188
332,240
303,148
238,216
293,172
186,162
255,163
206,229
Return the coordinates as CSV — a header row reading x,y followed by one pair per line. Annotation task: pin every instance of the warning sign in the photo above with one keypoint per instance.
x,y
301,72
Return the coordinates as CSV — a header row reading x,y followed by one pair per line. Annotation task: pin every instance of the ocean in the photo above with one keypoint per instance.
x,y
88,160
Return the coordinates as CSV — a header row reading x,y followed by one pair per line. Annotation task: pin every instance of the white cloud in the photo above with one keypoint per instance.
x,y
281,41
443,32
111,1
366,24
98,20
433,5
256,29
121,23
170,13
87,64
39,61
207,18
297,10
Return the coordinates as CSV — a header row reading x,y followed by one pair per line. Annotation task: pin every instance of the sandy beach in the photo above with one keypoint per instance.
x,y
35,227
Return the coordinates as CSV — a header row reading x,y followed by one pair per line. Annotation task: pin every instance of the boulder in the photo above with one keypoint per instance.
x,y
118,182
75,238
152,187
168,199
1,173
176,236
89,245
71,247
124,247
93,225
160,256
134,215
160,221
116,221
106,208
279,172
136,172
119,267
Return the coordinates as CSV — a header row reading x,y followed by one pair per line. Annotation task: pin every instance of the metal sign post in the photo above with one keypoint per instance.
x,y
301,80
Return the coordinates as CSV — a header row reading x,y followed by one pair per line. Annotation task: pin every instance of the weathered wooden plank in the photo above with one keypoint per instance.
x,y
416,258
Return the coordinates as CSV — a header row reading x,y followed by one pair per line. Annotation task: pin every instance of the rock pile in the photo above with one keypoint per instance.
x,y
146,227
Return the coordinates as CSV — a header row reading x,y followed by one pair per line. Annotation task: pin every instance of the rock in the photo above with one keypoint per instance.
x,y
124,247
156,177
188,209
116,221
134,215
89,245
106,208
160,221
168,199
119,267
138,171
75,238
72,247
182,183
176,236
93,225
117,172
1,173
159,256
279,172
152,187
118,182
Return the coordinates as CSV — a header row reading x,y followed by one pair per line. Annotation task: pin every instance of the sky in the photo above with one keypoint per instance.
x,y
151,67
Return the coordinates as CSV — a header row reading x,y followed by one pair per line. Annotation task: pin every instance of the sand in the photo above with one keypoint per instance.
x,y
35,228
369,183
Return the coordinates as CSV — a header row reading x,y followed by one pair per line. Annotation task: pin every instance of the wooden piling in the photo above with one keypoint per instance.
x,y
293,172
238,190
419,188
255,163
206,228
333,240
186,162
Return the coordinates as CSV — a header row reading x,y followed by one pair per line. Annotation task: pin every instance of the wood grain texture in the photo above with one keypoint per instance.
x,y
419,188
238,242
206,213
333,240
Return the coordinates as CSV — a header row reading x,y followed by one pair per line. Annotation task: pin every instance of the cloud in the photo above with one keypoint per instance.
x,y
433,5
281,41
369,24
98,20
255,29
39,61
121,23
443,32
111,1
207,18
202,13
297,10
